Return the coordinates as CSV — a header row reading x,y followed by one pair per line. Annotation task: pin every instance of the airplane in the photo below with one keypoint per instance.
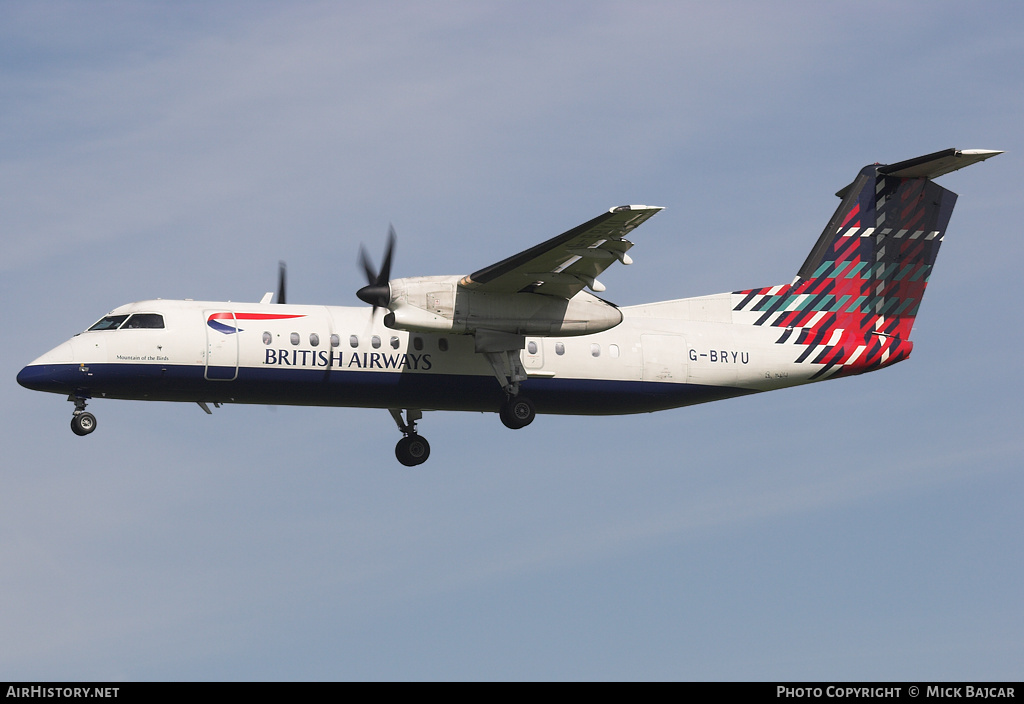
x,y
523,336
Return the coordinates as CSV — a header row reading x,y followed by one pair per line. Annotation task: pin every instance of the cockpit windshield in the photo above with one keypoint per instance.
x,y
111,322
138,320
144,320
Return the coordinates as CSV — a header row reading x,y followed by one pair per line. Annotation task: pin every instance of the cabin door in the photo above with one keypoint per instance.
x,y
221,345
664,358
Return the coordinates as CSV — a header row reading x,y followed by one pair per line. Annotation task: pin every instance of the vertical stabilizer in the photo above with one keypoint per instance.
x,y
854,301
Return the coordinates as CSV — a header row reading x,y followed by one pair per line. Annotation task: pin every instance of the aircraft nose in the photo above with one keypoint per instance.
x,y
55,378
36,377
54,371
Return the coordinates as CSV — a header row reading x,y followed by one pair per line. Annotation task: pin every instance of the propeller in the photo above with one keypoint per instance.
x,y
377,292
282,274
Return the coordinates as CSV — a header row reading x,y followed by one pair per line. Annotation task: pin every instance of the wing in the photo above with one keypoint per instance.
x,y
562,266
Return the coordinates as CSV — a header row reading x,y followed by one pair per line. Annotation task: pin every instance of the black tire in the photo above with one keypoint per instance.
x,y
83,423
412,450
517,412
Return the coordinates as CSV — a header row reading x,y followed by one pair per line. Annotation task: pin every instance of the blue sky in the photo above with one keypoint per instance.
x,y
867,528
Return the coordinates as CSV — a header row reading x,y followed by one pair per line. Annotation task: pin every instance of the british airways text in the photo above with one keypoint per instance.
x,y
342,360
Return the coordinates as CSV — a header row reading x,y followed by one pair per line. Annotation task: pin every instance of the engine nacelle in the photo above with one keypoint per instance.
x,y
438,304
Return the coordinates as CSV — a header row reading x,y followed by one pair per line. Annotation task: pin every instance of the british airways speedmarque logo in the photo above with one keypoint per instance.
x,y
229,327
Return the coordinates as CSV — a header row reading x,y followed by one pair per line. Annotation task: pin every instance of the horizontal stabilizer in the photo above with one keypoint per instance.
x,y
937,164
933,165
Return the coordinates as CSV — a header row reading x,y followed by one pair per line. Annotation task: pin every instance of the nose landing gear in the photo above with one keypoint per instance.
x,y
82,422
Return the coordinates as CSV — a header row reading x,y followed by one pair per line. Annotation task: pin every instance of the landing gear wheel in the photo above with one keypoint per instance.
x,y
83,423
517,412
412,450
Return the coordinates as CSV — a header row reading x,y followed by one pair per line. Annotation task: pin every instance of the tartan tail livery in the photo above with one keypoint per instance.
x,y
853,303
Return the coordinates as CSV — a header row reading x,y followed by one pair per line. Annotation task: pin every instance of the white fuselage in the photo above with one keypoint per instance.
x,y
661,355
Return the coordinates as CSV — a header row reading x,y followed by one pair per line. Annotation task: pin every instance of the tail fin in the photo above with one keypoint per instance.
x,y
854,301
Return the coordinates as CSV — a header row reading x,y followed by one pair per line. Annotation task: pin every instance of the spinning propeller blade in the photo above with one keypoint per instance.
x,y
377,292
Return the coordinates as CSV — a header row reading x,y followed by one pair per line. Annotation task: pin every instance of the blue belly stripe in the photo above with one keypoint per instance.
x,y
372,389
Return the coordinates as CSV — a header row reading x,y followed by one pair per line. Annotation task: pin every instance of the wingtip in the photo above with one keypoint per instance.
x,y
621,208
981,154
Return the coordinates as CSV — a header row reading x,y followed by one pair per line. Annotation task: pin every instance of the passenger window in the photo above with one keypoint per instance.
x,y
595,349
335,340
559,348
144,320
442,344
375,342
353,340
111,322
394,343
531,347
417,343
267,338
314,339
613,350
295,338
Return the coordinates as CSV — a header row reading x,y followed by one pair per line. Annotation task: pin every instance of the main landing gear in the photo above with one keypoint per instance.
x,y
502,352
412,449
82,422
516,411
